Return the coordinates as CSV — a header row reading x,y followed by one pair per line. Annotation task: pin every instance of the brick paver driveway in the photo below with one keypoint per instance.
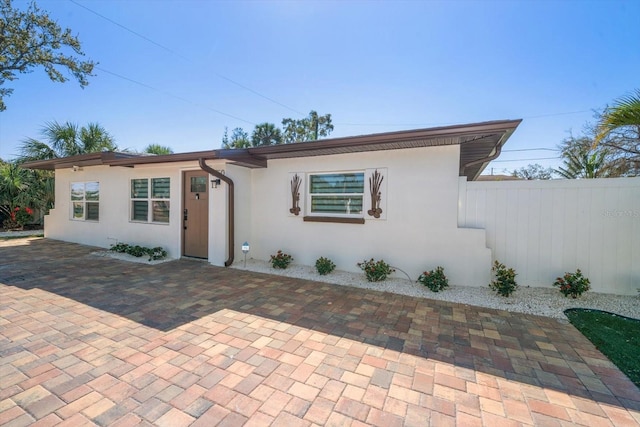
x,y
86,340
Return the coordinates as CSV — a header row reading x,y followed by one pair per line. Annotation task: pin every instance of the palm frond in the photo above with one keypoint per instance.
x,y
32,149
94,137
624,112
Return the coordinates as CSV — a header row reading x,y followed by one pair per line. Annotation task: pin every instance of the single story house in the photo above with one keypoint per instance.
x,y
391,196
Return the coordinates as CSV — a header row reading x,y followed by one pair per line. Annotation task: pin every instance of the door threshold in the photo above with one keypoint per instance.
x,y
193,258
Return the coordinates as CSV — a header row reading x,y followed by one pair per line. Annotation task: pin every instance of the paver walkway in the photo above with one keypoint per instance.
x,y
86,340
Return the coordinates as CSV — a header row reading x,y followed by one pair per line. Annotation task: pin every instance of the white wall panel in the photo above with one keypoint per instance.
x,y
546,228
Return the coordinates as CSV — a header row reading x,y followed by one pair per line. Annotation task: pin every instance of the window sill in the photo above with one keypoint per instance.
x,y
333,219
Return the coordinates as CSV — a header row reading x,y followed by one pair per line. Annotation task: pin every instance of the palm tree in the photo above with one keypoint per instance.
x,y
584,164
63,140
59,140
625,112
13,183
158,149
266,134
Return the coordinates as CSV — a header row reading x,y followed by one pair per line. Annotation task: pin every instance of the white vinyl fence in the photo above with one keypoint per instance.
x,y
546,228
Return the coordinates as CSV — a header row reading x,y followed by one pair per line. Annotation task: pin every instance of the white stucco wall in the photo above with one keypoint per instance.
x,y
420,230
218,213
546,228
114,224
417,231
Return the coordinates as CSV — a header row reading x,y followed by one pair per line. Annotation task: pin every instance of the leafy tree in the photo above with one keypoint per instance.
x,y
620,148
25,188
584,164
66,140
306,129
58,141
582,161
622,142
158,149
13,183
625,112
30,39
239,139
535,171
266,134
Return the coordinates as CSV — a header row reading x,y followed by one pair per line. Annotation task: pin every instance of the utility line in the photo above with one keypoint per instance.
x,y
530,149
450,123
147,39
129,30
172,95
526,160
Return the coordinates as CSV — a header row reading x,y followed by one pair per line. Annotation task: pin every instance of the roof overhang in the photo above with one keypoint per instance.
x,y
90,159
479,144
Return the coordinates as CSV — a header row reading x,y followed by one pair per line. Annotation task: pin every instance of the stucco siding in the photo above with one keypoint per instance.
x,y
419,232
114,224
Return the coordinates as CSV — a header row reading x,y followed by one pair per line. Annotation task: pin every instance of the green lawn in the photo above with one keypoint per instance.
x,y
616,337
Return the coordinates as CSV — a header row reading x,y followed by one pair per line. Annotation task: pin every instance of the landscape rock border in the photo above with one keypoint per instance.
x,y
541,301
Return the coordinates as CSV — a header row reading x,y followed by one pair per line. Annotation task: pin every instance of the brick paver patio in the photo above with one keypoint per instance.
x,y
86,340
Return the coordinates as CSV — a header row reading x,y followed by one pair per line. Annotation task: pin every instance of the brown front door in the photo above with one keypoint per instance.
x,y
195,214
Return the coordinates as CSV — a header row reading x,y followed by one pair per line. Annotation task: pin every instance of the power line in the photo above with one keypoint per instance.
x,y
526,160
128,29
147,39
530,149
173,95
450,123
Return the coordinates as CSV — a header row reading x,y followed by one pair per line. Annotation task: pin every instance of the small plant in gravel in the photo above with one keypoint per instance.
x,y
505,279
138,251
574,284
434,279
324,266
281,260
376,271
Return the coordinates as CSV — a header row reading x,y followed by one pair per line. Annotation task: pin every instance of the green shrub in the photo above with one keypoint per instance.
x,y
376,271
324,266
138,251
120,247
281,260
574,284
505,279
157,253
434,279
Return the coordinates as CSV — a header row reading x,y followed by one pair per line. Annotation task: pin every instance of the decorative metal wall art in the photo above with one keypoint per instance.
x,y
375,183
295,195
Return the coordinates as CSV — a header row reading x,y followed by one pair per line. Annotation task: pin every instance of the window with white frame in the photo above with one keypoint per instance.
x,y
336,194
149,200
85,201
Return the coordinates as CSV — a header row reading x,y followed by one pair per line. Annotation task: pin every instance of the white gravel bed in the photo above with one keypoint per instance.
x,y
531,300
22,233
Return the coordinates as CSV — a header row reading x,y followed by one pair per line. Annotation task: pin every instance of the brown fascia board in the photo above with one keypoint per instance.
x,y
89,159
166,158
258,156
242,157
381,138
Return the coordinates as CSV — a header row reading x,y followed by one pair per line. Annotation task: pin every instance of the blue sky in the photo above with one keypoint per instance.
x,y
375,66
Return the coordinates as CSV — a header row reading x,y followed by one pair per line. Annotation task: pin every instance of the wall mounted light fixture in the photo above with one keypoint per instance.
x,y
215,183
